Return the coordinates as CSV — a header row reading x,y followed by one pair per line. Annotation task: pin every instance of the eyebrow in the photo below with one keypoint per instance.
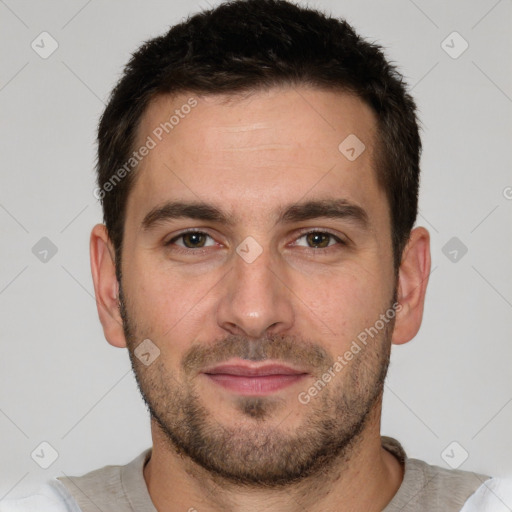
x,y
296,212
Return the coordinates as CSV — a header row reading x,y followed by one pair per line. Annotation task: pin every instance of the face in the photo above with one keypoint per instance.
x,y
255,253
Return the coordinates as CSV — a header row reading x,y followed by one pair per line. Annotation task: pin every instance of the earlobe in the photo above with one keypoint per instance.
x,y
412,285
106,287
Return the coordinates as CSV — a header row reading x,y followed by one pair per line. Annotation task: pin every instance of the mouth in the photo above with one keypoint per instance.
x,y
250,379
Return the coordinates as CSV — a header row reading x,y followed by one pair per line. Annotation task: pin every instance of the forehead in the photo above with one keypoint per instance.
x,y
250,154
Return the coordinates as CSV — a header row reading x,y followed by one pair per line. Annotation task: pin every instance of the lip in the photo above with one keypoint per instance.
x,y
254,379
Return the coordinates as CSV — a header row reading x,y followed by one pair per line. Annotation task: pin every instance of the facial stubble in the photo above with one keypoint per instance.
x,y
256,449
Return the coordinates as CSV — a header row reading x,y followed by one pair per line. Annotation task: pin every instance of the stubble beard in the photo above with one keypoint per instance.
x,y
256,450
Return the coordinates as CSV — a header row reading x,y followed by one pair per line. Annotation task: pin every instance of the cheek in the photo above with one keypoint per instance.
x,y
167,304
345,302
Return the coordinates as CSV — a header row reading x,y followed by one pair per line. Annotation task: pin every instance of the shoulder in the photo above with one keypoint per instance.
x,y
121,486
429,487
48,497
453,482
464,491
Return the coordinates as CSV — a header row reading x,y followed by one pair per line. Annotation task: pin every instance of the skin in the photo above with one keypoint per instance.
x,y
251,156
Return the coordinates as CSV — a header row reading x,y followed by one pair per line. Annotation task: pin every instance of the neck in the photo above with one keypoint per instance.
x,y
365,479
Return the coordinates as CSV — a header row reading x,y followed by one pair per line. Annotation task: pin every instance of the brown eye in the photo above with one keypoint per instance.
x,y
319,240
192,240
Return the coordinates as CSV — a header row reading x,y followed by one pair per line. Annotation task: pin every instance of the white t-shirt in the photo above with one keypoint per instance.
x,y
50,497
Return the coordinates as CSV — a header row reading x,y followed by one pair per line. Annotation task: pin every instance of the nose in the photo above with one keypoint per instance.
x,y
255,298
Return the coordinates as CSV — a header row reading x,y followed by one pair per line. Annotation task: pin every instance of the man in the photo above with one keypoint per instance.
x,y
258,168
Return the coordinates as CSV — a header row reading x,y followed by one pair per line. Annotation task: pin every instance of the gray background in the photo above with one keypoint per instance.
x,y
60,381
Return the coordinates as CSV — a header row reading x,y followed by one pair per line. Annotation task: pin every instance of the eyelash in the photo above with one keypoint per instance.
x,y
201,250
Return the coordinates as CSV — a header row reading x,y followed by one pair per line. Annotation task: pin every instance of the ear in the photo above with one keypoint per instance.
x,y
412,286
106,287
